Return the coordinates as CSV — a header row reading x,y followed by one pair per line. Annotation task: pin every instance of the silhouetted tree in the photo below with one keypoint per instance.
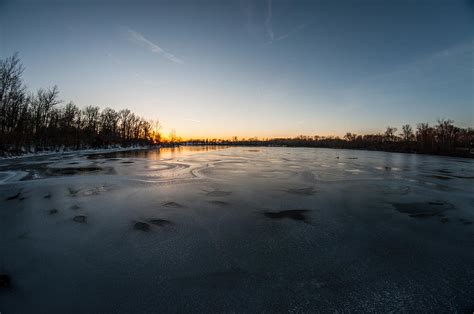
x,y
390,134
36,122
407,133
424,136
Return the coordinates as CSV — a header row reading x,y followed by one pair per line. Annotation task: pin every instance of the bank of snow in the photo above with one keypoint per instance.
x,y
110,149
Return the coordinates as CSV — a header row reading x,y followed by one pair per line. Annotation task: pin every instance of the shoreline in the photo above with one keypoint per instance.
x,y
132,148
79,151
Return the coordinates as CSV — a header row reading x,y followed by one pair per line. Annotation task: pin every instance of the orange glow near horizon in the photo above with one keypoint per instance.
x,y
244,135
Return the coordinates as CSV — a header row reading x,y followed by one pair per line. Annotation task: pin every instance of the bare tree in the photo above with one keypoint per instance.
x,y
390,133
172,136
446,134
12,95
350,137
407,133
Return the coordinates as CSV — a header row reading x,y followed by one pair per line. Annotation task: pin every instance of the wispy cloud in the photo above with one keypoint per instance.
x,y
268,21
192,120
465,47
269,26
153,47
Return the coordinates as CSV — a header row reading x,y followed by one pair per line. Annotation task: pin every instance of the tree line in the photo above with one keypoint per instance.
x,y
444,138
32,122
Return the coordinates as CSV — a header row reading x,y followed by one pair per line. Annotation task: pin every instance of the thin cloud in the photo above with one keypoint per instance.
x,y
460,48
269,26
268,21
153,47
192,120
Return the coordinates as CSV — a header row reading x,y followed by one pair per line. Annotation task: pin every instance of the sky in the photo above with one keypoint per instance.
x,y
253,68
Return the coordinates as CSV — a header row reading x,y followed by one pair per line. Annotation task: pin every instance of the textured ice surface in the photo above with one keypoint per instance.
x,y
237,229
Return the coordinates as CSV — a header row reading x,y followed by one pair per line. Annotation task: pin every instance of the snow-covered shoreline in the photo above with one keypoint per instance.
x,y
79,151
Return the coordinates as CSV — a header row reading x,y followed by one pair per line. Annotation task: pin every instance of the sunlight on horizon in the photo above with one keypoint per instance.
x,y
251,69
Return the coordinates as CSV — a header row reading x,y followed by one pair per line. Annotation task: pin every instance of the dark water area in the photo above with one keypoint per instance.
x,y
236,229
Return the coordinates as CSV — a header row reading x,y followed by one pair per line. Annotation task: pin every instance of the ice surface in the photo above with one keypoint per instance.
x,y
207,229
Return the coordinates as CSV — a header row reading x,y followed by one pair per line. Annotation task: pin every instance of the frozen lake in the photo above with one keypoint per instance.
x,y
243,229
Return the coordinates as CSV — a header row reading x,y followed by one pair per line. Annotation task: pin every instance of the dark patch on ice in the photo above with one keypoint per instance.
x,y
72,192
423,210
218,193
445,171
142,226
387,168
159,222
440,177
296,214
22,198
5,281
47,195
219,203
80,219
14,197
302,191
460,160
463,177
53,211
352,158
75,207
127,162
253,150
73,163
172,205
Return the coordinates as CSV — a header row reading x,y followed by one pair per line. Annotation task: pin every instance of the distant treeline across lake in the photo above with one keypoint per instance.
x,y
32,122
442,139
